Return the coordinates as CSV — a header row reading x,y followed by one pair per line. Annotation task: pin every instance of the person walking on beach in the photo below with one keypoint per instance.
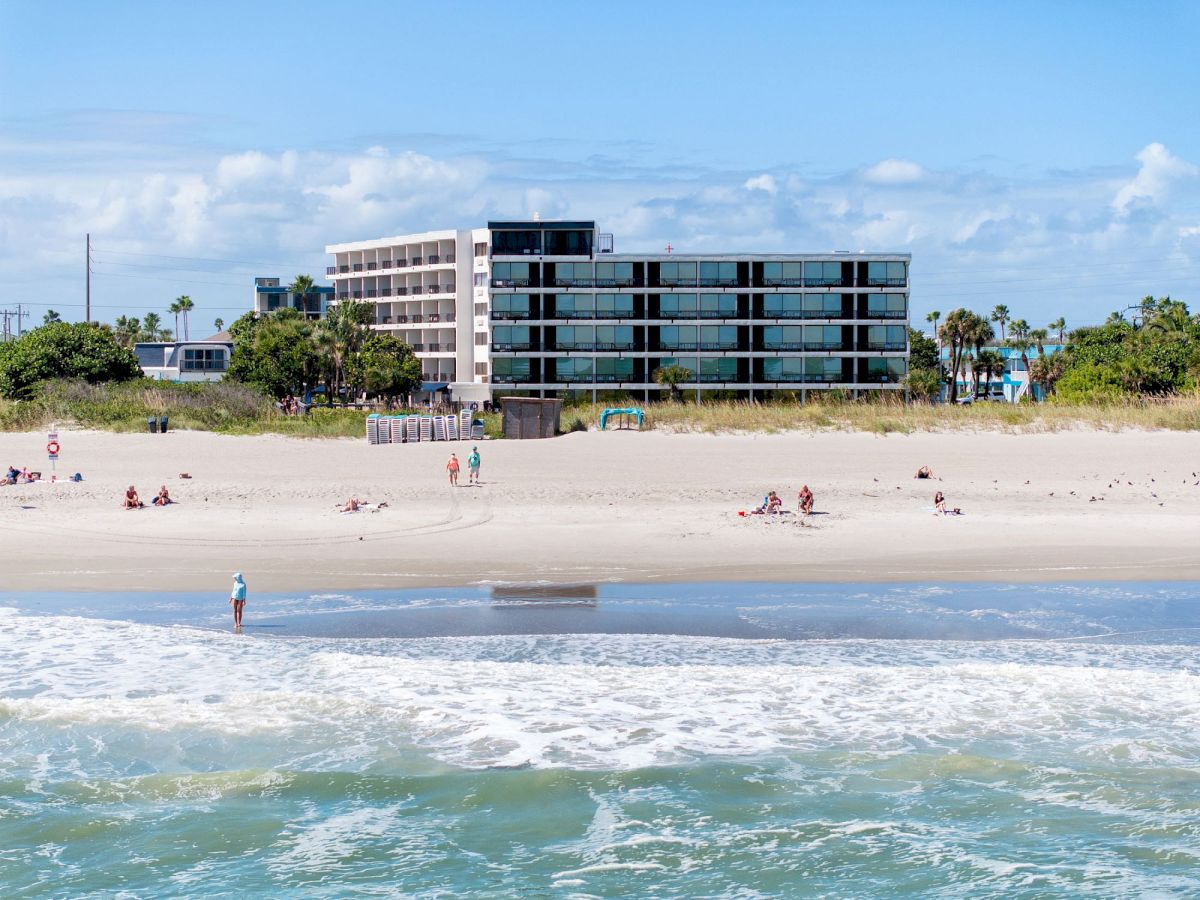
x,y
473,466
238,598
452,467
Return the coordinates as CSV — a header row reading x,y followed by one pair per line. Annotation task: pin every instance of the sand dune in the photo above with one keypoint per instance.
x,y
623,505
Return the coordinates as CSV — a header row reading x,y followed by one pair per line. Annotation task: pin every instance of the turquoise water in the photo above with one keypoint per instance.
x,y
924,741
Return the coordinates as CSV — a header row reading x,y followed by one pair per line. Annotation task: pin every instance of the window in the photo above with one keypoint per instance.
x,y
577,306
718,337
685,305
481,249
723,369
197,359
614,337
688,362
886,337
576,368
782,274
510,274
481,368
783,306
822,274
510,337
677,337
671,273
481,279
481,309
574,337
510,306
718,306
718,274
886,274
614,369
886,306
614,306
822,337
508,369
822,306
481,339
885,370
568,274
568,242
614,274
827,369
516,243
783,337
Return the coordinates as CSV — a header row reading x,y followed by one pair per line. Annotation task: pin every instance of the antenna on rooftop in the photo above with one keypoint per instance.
x,y
537,216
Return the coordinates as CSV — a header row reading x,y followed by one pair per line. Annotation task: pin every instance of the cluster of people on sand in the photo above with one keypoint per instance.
x,y
354,505
20,476
773,504
133,501
290,406
453,467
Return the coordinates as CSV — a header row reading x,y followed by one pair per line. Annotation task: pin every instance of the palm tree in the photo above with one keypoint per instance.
x,y
957,333
671,377
1018,339
152,325
1000,314
302,286
176,309
50,317
185,306
127,330
1115,318
990,362
1059,325
219,323
933,317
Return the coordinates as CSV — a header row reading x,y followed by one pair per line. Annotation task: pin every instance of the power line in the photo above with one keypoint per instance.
x,y
243,262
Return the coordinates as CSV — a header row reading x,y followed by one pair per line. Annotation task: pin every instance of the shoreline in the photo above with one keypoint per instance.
x,y
623,507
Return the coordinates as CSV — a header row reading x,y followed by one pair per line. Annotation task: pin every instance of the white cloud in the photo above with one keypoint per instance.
x,y
762,182
893,171
1158,170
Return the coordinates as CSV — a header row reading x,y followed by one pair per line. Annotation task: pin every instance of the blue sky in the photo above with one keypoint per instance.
x,y
1040,155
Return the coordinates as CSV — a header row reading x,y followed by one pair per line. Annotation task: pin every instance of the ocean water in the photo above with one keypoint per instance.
x,y
666,741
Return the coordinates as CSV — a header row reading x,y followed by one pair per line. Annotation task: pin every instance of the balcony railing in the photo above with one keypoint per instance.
x,y
783,345
385,292
331,270
677,282
416,289
718,314
358,295
418,348
823,346
828,282
448,317
403,320
343,296
358,267
510,314
509,379
416,319
615,282
878,378
885,314
606,378
574,345
886,282
887,345
717,346
386,264
401,292
574,282
512,346
510,282
711,377
609,346
371,295
343,269
415,261
794,378
401,263
432,260
783,282
804,314
371,267
672,348
718,282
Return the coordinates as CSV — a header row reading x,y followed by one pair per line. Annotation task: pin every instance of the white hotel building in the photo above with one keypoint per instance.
x,y
547,309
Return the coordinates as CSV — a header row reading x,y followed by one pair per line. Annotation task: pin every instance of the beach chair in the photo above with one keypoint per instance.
x,y
439,428
452,428
373,428
427,428
397,429
412,429
464,424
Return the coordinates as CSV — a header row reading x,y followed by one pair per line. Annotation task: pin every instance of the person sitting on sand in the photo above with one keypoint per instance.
x,y
351,505
939,506
806,500
132,500
924,472
163,497
774,503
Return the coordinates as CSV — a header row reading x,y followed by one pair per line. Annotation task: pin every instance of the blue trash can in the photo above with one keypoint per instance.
x,y
162,424
153,423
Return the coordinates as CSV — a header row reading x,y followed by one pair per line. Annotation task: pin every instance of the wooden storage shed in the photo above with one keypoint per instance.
x,y
529,417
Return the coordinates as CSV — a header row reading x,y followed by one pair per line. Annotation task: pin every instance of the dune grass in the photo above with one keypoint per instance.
x,y
231,408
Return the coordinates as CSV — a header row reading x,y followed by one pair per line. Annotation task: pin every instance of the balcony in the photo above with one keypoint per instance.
x,y
509,379
615,282
342,270
878,378
675,348
508,314
401,292
718,314
386,264
371,267
434,317
783,345
575,379
886,314
713,378
804,314
610,346
512,347
886,282
416,289
448,258
573,282
823,346
343,296
358,295
828,282
510,282
432,260
416,261
614,314
417,319
574,345
783,282
358,267
385,292
439,348
887,345
448,289
371,295
418,348
718,282
717,346
448,317
401,263
402,320
331,270
795,378
677,282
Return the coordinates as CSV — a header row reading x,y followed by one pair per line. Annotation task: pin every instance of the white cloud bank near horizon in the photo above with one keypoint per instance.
x,y
1076,243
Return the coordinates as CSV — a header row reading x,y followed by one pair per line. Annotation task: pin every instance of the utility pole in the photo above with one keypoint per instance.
x,y
87,307
9,314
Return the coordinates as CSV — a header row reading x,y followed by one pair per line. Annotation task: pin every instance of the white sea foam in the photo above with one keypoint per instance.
x,y
180,697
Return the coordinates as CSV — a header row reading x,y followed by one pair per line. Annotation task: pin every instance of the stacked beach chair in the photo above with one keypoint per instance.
x,y
373,428
407,429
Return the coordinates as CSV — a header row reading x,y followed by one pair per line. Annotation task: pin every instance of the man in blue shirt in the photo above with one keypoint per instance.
x,y
473,466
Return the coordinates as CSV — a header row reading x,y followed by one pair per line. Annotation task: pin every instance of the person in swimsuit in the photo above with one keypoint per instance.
x,y
163,497
452,467
806,500
939,503
132,500
774,503
237,597
473,466
924,472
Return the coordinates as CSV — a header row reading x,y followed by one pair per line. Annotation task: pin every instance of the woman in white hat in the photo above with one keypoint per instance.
x,y
238,598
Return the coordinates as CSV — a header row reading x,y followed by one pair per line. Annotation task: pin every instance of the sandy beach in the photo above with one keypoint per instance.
x,y
601,507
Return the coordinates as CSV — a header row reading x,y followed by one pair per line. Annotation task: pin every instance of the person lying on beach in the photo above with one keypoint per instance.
x,y
924,472
351,505
132,500
163,497
806,500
